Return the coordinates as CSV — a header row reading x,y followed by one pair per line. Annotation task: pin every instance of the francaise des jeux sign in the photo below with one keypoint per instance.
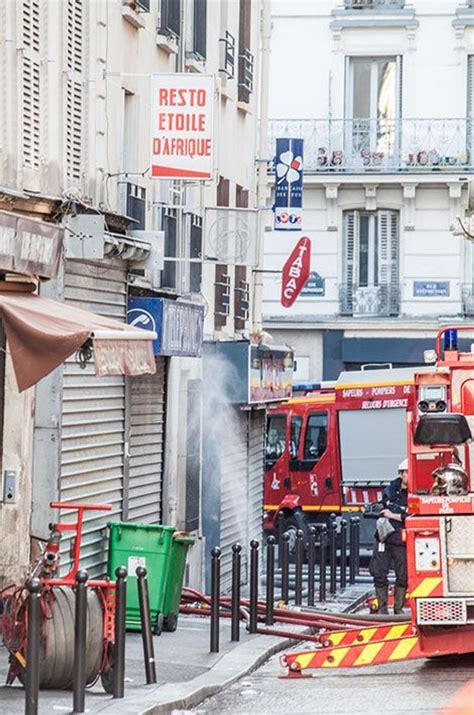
x,y
29,246
182,119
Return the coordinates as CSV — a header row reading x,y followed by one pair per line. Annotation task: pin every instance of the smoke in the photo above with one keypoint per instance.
x,y
225,461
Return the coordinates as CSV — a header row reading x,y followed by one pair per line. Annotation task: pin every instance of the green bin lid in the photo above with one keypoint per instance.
x,y
145,527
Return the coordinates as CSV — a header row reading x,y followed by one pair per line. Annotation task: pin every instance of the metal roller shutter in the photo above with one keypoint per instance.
x,y
233,480
93,417
255,466
147,417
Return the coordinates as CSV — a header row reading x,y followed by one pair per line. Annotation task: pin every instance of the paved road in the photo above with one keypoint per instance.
x,y
414,687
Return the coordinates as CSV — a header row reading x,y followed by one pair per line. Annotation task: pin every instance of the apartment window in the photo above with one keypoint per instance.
x,y
195,252
371,263
168,279
241,286
373,103
170,17
200,28
245,56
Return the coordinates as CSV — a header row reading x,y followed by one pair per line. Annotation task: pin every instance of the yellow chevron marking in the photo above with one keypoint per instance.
x,y
304,659
366,635
426,587
337,637
336,657
403,649
368,654
396,632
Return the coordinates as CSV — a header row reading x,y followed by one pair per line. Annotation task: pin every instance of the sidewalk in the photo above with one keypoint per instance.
x,y
186,671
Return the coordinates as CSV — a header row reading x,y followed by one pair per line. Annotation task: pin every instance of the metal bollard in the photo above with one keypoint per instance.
x,y
80,641
352,550
323,542
253,610
280,533
269,617
147,637
357,544
285,566
332,556
120,618
311,564
235,614
33,647
299,567
215,597
343,557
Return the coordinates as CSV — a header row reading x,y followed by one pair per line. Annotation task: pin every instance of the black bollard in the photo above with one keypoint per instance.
x,y
332,556
215,597
280,526
253,611
120,619
343,558
147,637
311,564
299,567
357,544
269,617
323,542
80,641
235,614
352,550
285,566
33,647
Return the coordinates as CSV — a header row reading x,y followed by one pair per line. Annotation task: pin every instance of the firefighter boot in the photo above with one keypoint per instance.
x,y
399,599
382,597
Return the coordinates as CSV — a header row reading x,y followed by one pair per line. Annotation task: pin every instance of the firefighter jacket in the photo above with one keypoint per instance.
x,y
396,499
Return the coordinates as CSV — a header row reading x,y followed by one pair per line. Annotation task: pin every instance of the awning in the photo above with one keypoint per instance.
x,y
43,333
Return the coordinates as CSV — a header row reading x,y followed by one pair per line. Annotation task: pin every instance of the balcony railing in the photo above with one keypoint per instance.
x,y
373,4
380,145
369,301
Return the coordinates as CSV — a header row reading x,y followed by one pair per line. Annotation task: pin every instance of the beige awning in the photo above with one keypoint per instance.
x,y
43,333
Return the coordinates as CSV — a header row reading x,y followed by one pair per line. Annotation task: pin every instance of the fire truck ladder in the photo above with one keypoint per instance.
x,y
356,647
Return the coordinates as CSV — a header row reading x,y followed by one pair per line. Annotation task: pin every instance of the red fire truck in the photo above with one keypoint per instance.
x,y
333,450
439,529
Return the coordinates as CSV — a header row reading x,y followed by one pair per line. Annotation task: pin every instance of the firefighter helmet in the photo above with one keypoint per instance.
x,y
403,466
450,480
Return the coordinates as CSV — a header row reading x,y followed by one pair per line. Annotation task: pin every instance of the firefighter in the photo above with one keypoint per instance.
x,y
389,549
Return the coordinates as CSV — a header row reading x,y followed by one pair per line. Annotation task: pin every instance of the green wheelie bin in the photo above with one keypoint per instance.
x,y
147,545
180,543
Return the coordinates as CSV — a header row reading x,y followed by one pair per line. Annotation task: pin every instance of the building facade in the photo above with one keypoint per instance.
x,y
75,149
381,91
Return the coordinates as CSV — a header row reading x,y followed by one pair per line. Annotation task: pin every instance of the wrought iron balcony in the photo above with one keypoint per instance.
x,y
369,301
380,145
468,299
373,4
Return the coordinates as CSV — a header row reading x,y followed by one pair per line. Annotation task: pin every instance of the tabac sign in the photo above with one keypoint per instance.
x,y
295,272
182,114
30,247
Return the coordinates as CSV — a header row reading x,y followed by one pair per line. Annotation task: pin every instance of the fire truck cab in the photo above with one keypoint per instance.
x,y
334,450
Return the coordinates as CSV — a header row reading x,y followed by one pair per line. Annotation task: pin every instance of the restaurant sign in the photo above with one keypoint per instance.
x,y
271,374
178,325
30,247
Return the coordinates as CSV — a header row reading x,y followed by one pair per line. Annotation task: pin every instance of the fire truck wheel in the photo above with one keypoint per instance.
x,y
58,631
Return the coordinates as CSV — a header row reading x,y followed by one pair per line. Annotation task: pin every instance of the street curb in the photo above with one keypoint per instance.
x,y
217,679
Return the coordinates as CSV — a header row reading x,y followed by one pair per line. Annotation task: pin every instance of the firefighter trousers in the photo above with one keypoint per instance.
x,y
390,556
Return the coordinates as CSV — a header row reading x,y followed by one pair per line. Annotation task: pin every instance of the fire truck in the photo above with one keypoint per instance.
x,y
439,529
334,450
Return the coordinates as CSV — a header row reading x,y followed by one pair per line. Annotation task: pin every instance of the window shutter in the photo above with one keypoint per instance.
x,y
470,107
74,110
195,269
31,90
350,273
387,233
245,56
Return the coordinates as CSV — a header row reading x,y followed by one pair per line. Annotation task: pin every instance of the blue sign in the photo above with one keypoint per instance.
x,y
315,285
288,207
179,326
430,289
